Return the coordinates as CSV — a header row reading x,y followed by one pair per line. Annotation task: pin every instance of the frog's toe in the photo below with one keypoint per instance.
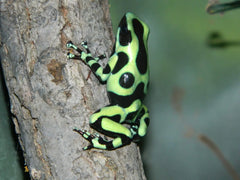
x,y
84,134
92,138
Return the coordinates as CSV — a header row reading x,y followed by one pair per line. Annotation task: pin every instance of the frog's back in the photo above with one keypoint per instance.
x,y
130,73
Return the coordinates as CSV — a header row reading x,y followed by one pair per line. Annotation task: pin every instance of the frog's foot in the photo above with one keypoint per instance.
x,y
134,131
85,46
72,47
70,55
95,140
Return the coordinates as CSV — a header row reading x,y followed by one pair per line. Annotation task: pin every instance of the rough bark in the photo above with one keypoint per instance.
x,y
51,95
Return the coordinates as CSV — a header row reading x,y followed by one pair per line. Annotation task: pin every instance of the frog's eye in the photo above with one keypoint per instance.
x,y
124,29
124,35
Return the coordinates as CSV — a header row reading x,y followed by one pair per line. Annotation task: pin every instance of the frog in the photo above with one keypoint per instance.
x,y
126,75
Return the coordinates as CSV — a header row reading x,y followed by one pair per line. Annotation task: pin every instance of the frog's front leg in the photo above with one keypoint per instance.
x,y
107,121
101,73
82,55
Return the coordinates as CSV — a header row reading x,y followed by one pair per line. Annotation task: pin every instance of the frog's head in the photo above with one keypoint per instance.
x,y
130,29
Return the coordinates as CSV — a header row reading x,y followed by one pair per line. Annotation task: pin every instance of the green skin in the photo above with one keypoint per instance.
x,y
127,79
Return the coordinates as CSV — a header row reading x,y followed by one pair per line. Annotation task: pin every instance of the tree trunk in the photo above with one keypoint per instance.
x,y
51,95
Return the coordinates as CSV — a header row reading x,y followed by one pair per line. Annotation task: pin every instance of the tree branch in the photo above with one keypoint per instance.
x,y
51,95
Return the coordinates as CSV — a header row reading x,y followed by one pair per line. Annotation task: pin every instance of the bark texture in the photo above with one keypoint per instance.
x,y
51,95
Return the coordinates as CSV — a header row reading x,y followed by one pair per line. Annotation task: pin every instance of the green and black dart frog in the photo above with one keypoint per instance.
x,y
127,78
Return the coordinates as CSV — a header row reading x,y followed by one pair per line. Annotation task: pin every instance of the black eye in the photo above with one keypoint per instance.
x,y
124,35
123,25
124,29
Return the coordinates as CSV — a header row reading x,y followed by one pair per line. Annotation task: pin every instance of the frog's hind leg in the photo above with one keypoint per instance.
x,y
107,121
139,127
